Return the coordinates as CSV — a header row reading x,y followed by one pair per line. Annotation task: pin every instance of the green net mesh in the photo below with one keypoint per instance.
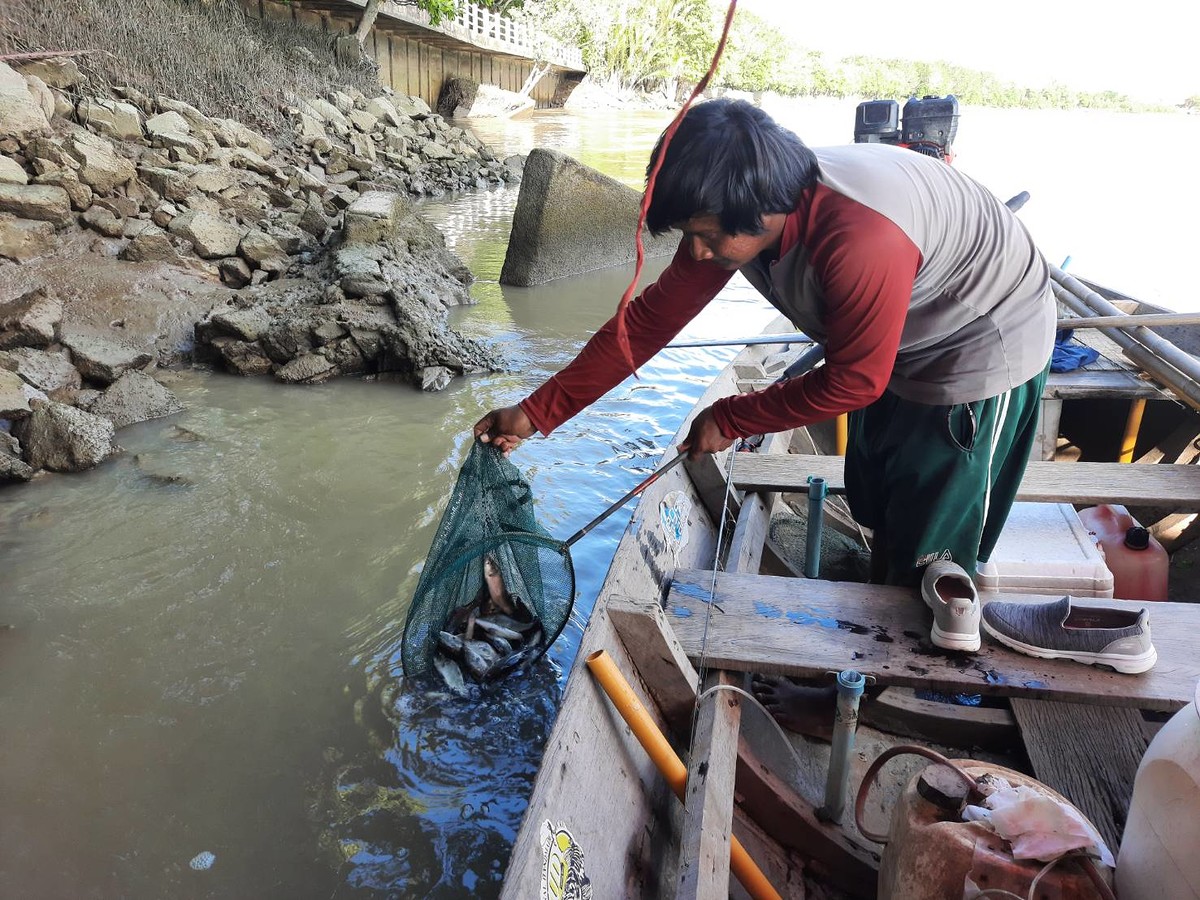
x,y
493,578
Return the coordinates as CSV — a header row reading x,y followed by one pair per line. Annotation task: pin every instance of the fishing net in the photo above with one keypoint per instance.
x,y
493,578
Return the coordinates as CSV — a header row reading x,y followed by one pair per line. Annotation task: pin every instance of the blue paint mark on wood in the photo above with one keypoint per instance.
x,y
766,609
682,611
692,590
812,617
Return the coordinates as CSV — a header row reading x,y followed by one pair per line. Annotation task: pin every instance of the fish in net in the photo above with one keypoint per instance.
x,y
497,589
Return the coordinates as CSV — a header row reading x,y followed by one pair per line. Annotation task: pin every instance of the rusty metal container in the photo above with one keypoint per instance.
x,y
932,855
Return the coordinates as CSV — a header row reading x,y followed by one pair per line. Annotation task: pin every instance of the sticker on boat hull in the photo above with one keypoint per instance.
x,y
563,877
673,512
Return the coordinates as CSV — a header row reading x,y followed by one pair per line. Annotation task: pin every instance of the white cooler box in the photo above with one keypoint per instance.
x,y
1045,549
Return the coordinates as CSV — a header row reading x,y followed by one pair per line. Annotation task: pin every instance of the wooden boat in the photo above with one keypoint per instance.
x,y
601,817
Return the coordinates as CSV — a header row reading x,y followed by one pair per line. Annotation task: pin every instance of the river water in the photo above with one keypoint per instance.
x,y
201,656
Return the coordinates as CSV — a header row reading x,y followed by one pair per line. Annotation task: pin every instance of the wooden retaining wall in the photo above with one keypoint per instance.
x,y
416,61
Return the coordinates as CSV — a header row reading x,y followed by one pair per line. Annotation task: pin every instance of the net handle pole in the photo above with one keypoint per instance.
x,y
612,509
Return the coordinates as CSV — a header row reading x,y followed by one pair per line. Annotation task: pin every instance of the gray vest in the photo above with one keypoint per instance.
x,y
981,318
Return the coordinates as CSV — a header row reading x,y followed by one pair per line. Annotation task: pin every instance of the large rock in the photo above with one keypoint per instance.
x,y
238,135
112,118
42,95
571,219
243,324
14,469
65,439
60,72
242,357
330,115
135,397
101,359
167,123
211,236
363,120
99,165
381,109
21,113
23,240
457,91
151,244
310,368
436,150
102,220
412,107
358,269
212,179
374,217
264,252
194,118
80,194
51,373
14,402
11,172
40,202
30,320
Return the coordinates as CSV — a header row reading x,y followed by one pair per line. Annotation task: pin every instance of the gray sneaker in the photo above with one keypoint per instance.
x,y
1093,635
949,591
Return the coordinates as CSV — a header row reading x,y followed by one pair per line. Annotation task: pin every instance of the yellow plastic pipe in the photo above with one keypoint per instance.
x,y
669,764
1133,424
842,433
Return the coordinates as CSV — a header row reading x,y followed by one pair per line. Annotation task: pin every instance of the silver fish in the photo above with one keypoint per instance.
x,y
499,644
478,657
450,644
508,664
490,626
451,674
513,624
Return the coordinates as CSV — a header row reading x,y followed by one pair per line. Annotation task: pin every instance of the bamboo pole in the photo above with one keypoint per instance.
x,y
669,764
1124,320
1177,370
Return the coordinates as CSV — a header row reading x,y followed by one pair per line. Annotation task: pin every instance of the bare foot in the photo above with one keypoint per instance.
x,y
800,708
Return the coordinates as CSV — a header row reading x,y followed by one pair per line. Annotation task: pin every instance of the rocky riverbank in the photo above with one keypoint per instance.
x,y
138,233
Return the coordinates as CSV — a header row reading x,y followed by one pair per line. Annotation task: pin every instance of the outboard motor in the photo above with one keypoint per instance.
x,y
928,125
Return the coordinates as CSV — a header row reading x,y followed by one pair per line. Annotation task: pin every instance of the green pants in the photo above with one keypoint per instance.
x,y
937,482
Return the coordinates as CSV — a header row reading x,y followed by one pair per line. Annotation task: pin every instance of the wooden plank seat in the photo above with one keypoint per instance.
x,y
1046,482
808,628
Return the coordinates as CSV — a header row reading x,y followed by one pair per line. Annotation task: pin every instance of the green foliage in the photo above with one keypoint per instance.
x,y
632,44
439,10
645,43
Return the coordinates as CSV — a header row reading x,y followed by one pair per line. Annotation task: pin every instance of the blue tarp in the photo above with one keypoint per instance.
x,y
1068,356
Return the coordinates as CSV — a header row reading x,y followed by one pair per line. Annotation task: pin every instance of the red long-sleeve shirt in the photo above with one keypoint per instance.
x,y
914,277
865,266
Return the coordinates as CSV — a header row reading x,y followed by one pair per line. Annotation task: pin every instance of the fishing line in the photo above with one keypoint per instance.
x,y
702,669
668,135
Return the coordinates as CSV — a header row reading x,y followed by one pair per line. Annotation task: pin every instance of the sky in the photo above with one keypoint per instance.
x,y
1146,49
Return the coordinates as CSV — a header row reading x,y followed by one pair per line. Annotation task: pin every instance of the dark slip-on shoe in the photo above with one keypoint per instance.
x,y
1093,635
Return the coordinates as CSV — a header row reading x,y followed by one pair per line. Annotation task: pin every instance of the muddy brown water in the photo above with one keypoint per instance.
x,y
202,651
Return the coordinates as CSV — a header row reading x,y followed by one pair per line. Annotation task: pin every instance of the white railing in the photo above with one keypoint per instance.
x,y
485,28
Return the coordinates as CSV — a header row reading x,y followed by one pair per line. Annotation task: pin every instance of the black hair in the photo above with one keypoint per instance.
x,y
731,160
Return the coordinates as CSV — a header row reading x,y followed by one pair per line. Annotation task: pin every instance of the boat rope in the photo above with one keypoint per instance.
x,y
702,668
668,135
789,748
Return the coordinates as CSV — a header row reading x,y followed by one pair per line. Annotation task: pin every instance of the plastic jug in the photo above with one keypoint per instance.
x,y
1137,561
1158,857
932,855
